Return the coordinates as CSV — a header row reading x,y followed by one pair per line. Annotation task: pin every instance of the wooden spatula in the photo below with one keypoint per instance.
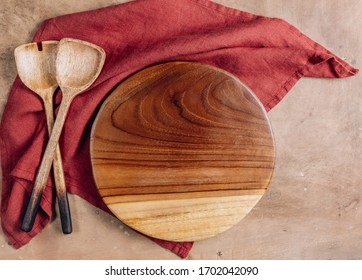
x,y
35,63
78,64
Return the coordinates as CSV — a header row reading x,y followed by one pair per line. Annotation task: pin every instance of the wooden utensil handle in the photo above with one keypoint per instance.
x,y
64,212
45,166
31,210
33,206
59,179
62,196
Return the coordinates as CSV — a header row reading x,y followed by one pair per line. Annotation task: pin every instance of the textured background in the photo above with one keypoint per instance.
x,y
313,207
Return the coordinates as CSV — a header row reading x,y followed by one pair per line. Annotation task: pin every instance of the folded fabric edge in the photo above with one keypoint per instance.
x,y
183,251
224,9
283,91
18,243
342,68
46,207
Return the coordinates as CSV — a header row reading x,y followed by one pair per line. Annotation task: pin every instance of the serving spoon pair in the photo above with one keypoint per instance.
x,y
73,65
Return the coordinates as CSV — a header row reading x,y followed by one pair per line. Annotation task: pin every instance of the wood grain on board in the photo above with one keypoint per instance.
x,y
182,151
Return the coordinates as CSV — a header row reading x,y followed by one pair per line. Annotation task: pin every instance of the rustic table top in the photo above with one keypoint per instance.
x,y
312,207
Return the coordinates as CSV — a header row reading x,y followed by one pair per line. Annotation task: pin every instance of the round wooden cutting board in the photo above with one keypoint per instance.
x,y
182,151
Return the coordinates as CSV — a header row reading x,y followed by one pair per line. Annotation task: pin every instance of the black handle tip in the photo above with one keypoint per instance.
x,y
30,214
26,227
64,212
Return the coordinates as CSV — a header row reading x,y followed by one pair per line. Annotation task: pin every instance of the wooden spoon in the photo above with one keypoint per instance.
x,y
35,63
78,64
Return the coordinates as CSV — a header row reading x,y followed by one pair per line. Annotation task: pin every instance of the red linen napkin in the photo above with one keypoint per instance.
x,y
268,55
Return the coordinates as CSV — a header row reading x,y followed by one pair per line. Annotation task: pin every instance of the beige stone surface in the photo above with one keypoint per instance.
x,y
313,208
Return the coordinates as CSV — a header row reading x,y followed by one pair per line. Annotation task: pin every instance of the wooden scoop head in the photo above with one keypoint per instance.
x,y
35,63
78,64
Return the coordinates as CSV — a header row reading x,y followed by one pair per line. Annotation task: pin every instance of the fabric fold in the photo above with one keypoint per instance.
x,y
267,54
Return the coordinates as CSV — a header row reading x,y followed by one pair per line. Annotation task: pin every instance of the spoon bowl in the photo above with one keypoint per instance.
x,y
74,64
36,65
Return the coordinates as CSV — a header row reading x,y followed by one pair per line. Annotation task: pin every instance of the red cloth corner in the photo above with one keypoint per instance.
x,y
267,54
